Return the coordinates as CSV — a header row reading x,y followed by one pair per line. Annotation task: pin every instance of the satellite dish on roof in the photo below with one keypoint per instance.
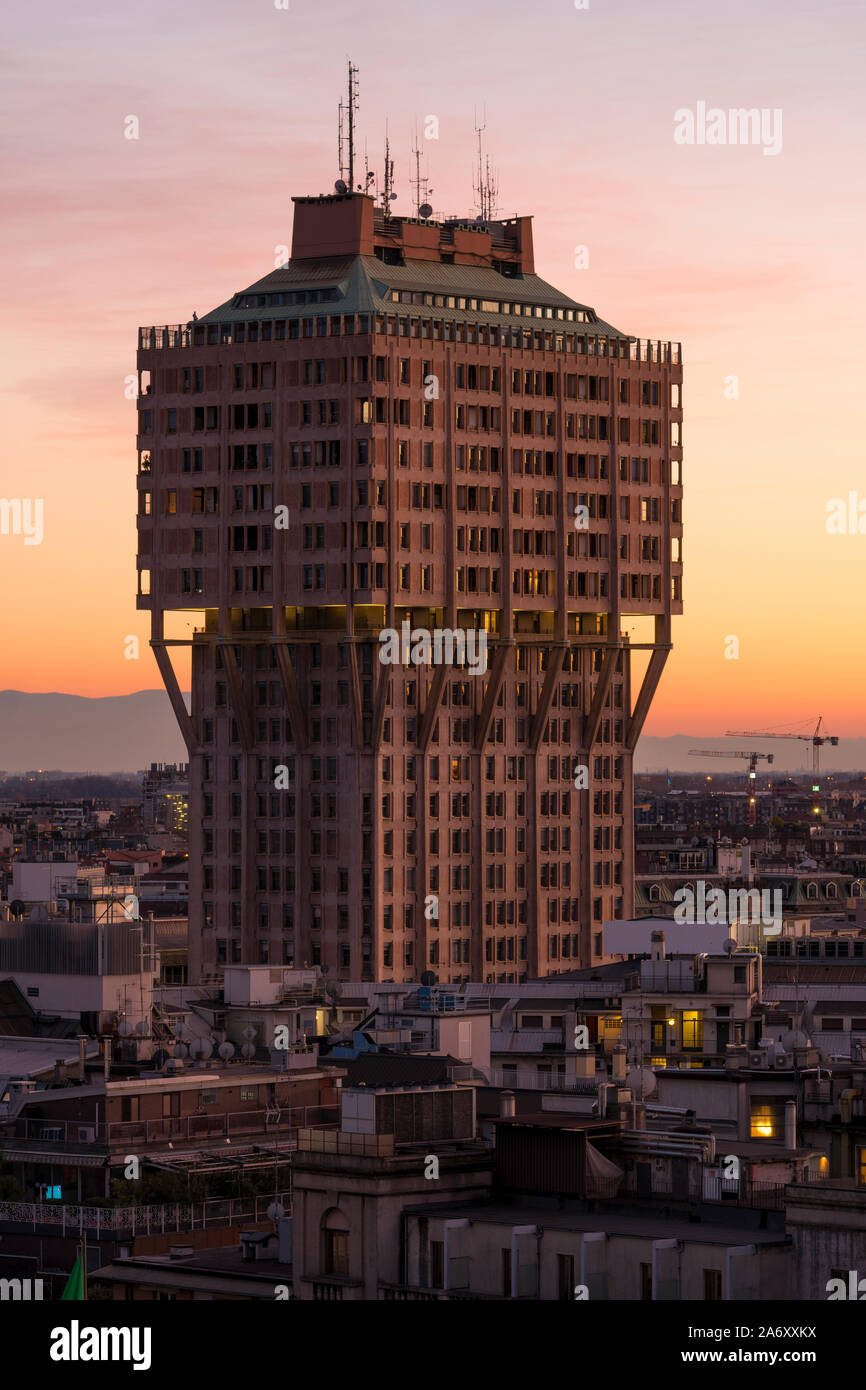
x,y
730,946
249,1033
142,1029
425,210
332,989
201,1048
275,1211
341,186
226,1050
180,1050
248,1050
124,1028
428,978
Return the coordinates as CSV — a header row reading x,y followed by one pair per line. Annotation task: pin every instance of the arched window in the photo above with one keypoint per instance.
x,y
335,1242
654,893
832,891
811,890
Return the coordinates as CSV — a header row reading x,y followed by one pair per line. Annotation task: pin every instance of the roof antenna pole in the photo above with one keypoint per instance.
x,y
346,113
421,184
388,194
352,107
486,186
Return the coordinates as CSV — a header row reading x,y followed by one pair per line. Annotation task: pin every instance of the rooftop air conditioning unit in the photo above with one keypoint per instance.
x,y
757,1059
86,1134
783,1059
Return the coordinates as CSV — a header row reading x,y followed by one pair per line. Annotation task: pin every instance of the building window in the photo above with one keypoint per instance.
x,y
693,1029
767,1118
335,1243
712,1285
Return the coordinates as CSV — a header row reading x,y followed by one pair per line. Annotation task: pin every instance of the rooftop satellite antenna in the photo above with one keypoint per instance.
x,y
347,111
486,185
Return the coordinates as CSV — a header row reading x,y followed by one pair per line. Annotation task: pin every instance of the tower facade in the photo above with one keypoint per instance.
x,y
411,496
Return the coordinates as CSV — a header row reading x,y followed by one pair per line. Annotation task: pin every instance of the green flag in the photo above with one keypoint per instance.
x,y
75,1283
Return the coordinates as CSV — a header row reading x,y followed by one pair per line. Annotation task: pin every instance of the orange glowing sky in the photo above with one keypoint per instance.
x,y
754,262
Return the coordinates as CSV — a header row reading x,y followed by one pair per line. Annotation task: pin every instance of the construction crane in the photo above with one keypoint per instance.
x,y
816,739
754,759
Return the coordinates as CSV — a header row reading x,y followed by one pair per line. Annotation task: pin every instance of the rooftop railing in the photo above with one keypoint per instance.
x,y
174,1129
149,1220
555,335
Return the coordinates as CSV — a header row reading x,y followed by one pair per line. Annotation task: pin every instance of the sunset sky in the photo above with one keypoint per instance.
x,y
754,262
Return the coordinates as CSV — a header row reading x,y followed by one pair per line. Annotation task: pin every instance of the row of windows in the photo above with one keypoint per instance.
x,y
469,376
335,325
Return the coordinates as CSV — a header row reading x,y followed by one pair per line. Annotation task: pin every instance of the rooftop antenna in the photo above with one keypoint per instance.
x,y
421,183
486,186
388,194
347,111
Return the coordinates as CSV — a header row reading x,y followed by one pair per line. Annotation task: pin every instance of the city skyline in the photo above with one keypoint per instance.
x,y
707,285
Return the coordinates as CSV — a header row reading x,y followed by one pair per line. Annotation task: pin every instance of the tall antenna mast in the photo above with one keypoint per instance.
x,y
420,183
346,130
486,185
388,194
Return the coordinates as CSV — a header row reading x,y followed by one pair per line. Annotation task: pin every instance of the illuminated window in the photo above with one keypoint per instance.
x,y
768,1117
861,1166
693,1028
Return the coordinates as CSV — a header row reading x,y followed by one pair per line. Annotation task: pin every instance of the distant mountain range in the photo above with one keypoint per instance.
x,y
73,733
125,733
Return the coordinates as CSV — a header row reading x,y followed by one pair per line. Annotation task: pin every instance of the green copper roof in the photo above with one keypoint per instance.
x,y
363,285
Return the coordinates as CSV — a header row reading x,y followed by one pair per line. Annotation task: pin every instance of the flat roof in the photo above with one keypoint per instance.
x,y
646,1224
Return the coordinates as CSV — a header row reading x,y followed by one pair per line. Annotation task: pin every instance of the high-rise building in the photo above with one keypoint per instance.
x,y
404,432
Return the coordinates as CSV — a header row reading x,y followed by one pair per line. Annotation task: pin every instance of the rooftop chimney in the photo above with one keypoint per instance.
x,y
657,945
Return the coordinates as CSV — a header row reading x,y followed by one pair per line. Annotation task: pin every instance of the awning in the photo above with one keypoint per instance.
x,y
61,1160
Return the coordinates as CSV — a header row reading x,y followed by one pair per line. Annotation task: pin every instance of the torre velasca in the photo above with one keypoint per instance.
x,y
412,500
